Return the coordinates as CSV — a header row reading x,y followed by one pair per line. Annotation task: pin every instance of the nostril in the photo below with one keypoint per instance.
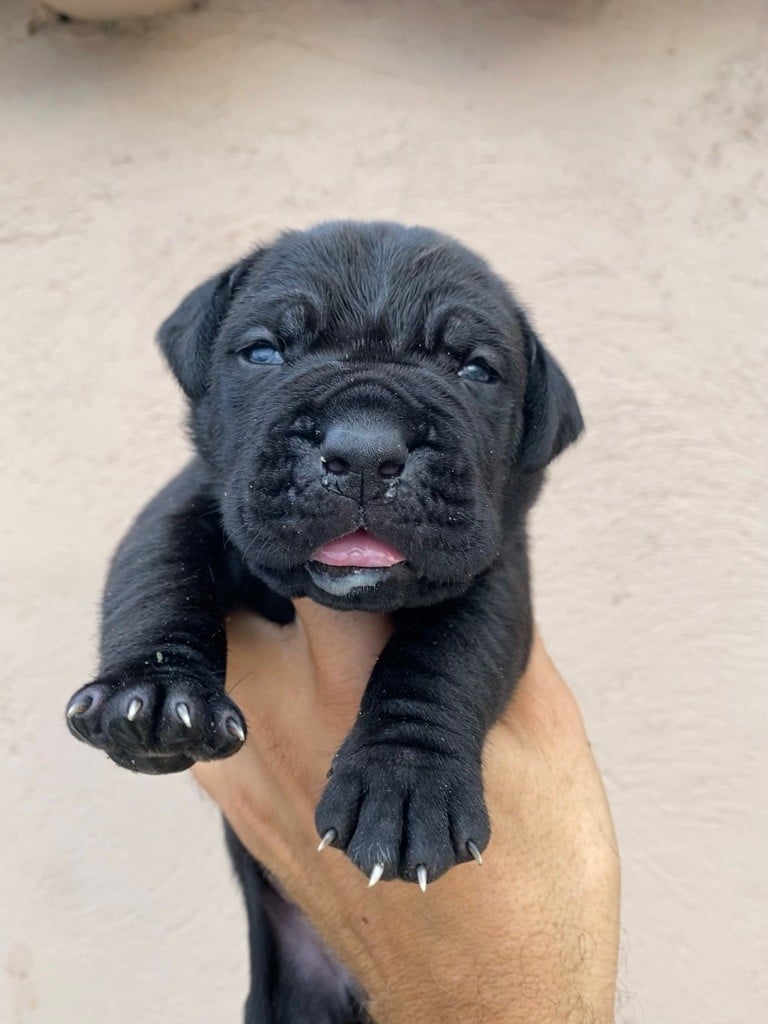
x,y
390,469
335,465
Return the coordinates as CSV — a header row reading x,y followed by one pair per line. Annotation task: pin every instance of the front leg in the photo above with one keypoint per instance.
x,y
158,703
405,793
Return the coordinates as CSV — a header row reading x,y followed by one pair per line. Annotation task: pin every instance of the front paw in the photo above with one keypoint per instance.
x,y
156,726
401,812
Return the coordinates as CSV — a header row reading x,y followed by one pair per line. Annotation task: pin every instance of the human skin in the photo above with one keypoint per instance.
x,y
528,937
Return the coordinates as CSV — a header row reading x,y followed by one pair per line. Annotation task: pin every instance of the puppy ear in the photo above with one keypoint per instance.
x,y
186,336
551,415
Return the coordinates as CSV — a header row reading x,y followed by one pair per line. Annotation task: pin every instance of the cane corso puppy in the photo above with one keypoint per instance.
x,y
372,414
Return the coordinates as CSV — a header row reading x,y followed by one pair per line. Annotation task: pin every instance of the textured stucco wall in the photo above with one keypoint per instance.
x,y
608,161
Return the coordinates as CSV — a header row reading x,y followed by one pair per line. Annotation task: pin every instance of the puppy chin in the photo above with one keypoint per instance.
x,y
353,589
360,589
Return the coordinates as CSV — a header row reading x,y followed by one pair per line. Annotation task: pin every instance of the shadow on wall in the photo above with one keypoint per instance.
x,y
114,10
108,10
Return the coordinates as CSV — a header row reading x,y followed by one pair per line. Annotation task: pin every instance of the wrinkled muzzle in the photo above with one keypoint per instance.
x,y
383,463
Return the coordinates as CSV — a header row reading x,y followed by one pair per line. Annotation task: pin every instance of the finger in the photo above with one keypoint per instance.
x,y
344,647
301,683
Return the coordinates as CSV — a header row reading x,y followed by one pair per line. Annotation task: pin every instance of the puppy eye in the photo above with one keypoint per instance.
x,y
479,371
262,353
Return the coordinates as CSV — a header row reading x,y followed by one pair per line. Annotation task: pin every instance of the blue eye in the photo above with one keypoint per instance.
x,y
478,371
262,353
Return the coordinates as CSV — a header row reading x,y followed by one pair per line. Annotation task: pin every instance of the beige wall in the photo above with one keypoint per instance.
x,y
610,165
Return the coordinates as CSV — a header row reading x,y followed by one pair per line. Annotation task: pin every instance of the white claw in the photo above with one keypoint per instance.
x,y
78,708
475,852
183,712
327,839
378,871
421,875
133,709
235,729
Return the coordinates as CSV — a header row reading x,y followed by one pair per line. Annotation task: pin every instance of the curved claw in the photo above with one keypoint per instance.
x,y
327,839
235,729
182,710
421,875
472,848
133,709
378,871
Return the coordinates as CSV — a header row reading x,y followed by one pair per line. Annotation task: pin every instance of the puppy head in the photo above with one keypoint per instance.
x,y
374,408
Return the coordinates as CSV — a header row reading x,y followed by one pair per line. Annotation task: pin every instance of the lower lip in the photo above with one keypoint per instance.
x,y
343,584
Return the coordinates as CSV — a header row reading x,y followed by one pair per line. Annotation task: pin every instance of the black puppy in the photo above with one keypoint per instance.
x,y
372,414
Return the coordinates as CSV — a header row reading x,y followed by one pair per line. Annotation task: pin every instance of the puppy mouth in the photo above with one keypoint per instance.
x,y
358,550
353,562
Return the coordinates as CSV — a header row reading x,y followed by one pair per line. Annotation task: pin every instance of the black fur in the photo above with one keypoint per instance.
x,y
374,323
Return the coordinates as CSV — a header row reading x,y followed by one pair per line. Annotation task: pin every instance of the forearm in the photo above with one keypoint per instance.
x,y
559,975
531,937
451,668
158,702
163,597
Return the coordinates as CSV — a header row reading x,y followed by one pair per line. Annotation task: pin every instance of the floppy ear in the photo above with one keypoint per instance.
x,y
551,415
186,336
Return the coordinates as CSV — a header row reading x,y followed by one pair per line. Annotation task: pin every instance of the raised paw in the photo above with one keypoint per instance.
x,y
156,726
404,813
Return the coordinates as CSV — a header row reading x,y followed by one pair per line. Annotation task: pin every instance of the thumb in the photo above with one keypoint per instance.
x,y
344,647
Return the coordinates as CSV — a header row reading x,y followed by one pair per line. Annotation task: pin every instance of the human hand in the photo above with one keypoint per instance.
x,y
531,936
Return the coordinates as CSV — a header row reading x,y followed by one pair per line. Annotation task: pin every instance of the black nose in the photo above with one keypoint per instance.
x,y
370,449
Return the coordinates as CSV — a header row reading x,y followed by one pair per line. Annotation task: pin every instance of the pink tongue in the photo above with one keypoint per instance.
x,y
358,549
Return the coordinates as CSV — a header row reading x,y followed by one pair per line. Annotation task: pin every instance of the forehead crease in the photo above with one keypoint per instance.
x,y
384,286
394,297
